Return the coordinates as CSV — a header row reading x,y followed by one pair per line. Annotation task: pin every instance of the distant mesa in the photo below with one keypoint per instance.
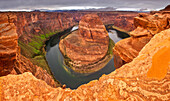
x,y
86,49
167,8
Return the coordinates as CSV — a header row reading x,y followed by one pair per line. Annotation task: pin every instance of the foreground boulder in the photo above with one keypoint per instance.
x,y
11,61
86,48
141,79
147,26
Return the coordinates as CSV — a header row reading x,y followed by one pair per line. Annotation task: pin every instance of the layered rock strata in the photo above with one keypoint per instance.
x,y
11,61
136,80
86,47
147,26
34,28
8,44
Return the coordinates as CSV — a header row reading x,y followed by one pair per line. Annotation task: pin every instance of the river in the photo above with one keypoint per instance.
x,y
64,74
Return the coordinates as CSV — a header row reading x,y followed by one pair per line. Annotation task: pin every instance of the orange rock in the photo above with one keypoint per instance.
x,y
11,61
8,44
130,82
147,26
160,62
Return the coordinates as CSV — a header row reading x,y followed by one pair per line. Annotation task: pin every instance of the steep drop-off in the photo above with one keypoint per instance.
x,y
130,82
11,61
8,44
147,25
34,28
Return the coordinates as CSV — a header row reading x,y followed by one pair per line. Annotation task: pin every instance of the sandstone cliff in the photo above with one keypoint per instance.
x,y
87,47
147,25
8,44
141,79
11,61
34,28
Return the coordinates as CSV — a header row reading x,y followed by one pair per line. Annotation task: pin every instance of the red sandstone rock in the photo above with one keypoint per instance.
x,y
92,29
130,82
11,61
87,46
35,23
147,26
8,44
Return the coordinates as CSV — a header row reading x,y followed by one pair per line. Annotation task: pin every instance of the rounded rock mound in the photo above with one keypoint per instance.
x,y
85,50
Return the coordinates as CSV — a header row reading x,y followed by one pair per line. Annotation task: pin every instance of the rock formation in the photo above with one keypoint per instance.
x,y
11,61
86,47
167,8
136,80
147,26
35,23
8,44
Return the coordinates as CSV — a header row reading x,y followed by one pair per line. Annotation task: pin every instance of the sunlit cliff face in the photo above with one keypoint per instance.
x,y
160,62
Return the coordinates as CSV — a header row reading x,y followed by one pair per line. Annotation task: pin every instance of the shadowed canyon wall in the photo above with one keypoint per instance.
x,y
11,61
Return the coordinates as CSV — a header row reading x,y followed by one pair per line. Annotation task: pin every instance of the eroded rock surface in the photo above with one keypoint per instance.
x,y
11,61
147,25
130,82
8,44
86,47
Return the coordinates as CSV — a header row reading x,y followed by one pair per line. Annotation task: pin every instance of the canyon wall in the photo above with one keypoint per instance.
x,y
147,25
8,44
35,23
34,28
145,78
11,61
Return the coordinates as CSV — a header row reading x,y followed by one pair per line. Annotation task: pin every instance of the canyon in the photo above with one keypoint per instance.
x,y
133,81
139,75
34,28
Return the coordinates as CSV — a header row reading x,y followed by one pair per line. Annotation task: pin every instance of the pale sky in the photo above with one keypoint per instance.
x,y
79,4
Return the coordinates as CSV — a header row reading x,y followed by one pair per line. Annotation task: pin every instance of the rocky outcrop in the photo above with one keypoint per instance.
x,y
92,29
8,44
136,80
11,61
87,46
147,25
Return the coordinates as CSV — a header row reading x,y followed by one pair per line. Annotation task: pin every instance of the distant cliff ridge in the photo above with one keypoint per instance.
x,y
167,8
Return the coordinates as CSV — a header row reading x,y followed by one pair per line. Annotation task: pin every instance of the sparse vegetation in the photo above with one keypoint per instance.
x,y
34,50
